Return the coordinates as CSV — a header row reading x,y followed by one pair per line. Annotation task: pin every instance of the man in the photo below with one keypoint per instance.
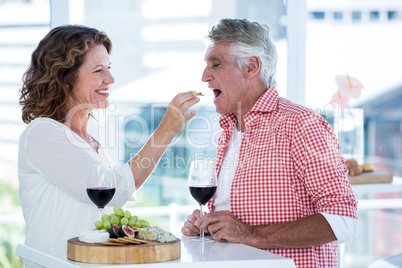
x,y
282,185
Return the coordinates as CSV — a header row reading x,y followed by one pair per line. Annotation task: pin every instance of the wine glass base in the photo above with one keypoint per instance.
x,y
204,240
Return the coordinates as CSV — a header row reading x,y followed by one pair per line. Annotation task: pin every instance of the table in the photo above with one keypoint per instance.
x,y
193,254
377,188
388,262
391,187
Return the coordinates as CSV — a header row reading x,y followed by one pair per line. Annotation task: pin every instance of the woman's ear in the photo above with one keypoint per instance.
x,y
253,67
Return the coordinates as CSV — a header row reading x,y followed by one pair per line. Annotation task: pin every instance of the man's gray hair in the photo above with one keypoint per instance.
x,y
248,39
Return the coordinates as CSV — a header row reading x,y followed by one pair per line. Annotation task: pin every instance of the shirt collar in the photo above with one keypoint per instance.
x,y
268,102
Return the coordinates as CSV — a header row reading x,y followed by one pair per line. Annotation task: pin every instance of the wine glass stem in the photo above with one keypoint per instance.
x,y
100,213
201,230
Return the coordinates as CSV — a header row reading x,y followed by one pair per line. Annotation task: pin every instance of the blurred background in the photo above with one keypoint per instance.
x,y
158,51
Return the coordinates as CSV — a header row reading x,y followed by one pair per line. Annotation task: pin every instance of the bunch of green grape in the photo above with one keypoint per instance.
x,y
120,217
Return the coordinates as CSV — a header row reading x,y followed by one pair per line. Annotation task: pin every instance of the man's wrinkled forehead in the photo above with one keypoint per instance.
x,y
217,52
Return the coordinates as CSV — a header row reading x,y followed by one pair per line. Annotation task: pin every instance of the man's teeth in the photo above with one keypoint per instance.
x,y
103,91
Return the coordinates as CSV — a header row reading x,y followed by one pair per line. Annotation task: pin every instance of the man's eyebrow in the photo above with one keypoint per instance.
x,y
214,58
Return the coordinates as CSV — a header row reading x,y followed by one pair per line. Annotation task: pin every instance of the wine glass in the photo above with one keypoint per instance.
x,y
101,185
202,184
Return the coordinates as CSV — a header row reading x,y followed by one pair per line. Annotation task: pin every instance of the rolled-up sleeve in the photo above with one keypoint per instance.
x,y
321,167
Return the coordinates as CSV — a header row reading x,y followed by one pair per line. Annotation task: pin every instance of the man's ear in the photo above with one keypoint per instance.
x,y
253,67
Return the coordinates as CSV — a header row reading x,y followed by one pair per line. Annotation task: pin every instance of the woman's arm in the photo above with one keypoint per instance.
x,y
172,123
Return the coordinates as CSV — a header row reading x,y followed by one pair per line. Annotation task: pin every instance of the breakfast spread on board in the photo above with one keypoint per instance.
x,y
121,228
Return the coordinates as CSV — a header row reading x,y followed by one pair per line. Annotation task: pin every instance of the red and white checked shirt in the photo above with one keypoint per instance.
x,y
289,168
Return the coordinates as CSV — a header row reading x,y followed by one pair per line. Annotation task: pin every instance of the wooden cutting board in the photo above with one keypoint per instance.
x,y
154,251
371,177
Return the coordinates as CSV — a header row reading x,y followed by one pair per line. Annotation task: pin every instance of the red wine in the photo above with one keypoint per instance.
x,y
101,196
202,193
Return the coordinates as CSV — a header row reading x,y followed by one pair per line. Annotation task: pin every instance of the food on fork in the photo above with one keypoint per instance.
x,y
198,93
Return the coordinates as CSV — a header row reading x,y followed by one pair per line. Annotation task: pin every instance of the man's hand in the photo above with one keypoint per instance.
x,y
224,226
190,228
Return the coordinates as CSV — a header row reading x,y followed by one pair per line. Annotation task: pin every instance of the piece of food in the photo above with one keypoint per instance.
x,y
127,214
148,233
144,223
353,167
116,229
166,237
99,224
126,230
94,236
124,221
112,244
105,217
106,225
132,221
111,232
198,93
368,167
114,220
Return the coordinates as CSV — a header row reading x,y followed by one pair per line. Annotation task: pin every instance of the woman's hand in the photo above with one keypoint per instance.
x,y
144,162
175,118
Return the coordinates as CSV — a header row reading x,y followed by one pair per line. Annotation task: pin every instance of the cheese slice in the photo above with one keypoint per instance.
x,y
148,233
95,236
165,237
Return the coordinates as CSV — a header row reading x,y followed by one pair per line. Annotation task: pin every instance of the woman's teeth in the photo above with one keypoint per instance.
x,y
103,91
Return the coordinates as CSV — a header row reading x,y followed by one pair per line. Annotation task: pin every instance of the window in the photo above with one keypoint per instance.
x,y
374,15
365,44
356,16
338,15
317,15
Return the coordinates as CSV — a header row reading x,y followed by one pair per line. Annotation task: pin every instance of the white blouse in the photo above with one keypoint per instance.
x,y
53,164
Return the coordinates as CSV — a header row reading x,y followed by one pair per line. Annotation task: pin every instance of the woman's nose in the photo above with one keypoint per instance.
x,y
109,79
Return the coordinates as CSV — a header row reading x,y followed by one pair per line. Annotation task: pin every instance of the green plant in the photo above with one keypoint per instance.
x,y
11,233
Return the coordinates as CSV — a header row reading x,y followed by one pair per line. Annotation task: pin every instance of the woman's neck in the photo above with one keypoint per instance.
x,y
78,123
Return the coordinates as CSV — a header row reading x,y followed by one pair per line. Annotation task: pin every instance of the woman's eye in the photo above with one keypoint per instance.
x,y
98,71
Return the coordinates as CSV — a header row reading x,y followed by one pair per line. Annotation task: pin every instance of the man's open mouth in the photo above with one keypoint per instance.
x,y
217,92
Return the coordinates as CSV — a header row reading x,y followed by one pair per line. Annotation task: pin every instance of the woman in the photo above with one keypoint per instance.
x,y
69,76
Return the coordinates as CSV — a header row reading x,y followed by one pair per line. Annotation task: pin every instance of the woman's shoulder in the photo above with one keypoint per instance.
x,y
41,126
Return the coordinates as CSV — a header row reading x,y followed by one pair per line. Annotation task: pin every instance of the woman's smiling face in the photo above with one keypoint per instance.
x,y
92,87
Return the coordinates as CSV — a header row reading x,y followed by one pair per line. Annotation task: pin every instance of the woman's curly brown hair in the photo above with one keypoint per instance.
x,y
51,76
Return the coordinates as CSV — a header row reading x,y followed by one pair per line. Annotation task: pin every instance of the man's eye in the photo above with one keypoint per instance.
x,y
215,65
98,71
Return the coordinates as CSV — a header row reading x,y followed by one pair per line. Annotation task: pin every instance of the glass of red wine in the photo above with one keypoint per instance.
x,y
101,185
202,184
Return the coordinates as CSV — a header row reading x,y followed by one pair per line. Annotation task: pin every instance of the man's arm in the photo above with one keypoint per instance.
x,y
311,231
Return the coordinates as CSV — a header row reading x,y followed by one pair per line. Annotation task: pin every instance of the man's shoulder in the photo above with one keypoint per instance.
x,y
293,110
